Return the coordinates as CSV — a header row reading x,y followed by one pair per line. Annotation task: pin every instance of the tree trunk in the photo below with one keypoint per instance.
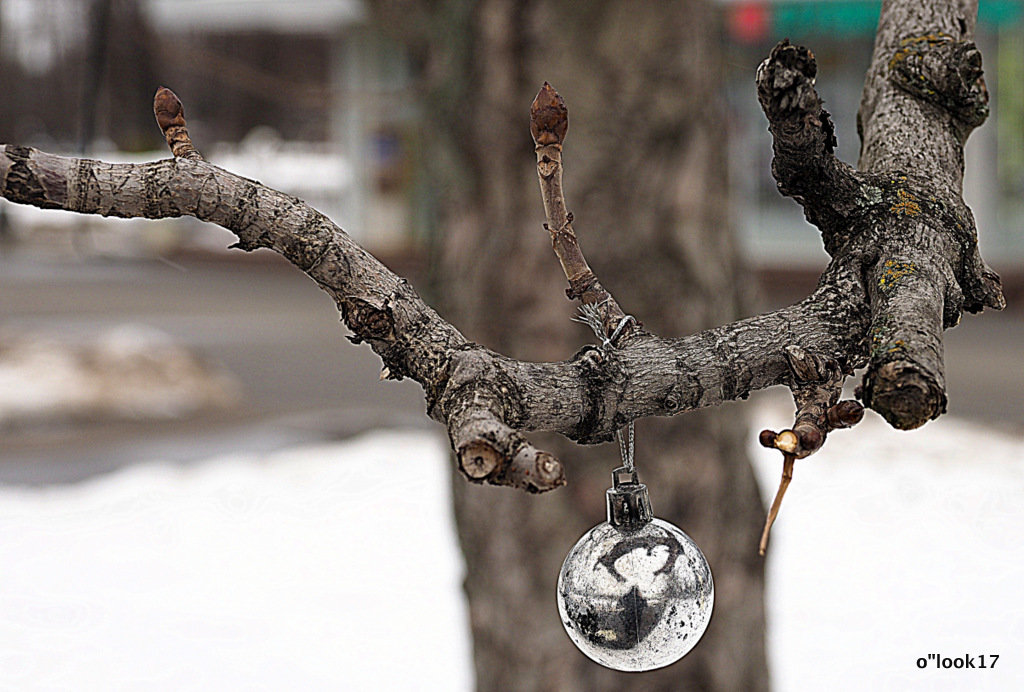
x,y
646,180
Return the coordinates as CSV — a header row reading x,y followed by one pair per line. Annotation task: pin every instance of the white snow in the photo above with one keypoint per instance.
x,y
329,567
894,545
130,371
336,567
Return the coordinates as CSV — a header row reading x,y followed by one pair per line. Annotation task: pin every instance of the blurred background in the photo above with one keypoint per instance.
x,y
204,484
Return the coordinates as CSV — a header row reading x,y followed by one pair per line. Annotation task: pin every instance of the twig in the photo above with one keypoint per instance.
x,y
787,476
549,122
817,383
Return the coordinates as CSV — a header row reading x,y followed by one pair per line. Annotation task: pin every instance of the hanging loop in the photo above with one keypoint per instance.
x,y
617,332
627,446
590,316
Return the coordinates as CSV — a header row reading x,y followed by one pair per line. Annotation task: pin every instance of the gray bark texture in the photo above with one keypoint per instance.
x,y
649,201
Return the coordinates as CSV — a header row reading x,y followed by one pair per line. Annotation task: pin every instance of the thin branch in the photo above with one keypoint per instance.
x,y
549,123
817,384
773,512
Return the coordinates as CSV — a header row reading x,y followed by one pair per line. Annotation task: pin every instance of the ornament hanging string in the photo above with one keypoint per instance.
x,y
627,451
590,316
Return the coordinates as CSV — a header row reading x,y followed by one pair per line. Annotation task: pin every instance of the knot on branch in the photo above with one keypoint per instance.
x,y
580,285
23,184
945,72
368,322
980,287
991,290
590,358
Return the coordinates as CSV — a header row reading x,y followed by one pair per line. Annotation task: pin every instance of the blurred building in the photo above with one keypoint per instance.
x,y
841,34
302,95
306,96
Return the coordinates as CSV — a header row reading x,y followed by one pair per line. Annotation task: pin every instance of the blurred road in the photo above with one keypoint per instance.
x,y
281,336
260,318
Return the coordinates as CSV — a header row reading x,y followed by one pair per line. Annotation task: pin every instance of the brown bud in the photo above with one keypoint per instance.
x,y
168,109
810,437
845,414
767,438
549,118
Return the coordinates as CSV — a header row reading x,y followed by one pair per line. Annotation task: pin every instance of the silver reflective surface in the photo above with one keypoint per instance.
x,y
635,600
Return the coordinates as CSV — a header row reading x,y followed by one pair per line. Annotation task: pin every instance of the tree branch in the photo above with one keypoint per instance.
x,y
586,398
549,122
804,141
902,215
904,265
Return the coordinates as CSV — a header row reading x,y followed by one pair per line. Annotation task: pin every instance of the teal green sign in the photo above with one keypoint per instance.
x,y
848,18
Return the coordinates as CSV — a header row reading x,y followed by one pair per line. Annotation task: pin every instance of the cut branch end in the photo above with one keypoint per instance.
x,y
906,397
529,469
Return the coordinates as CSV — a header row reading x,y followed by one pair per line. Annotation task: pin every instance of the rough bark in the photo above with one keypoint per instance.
x,y
901,216
905,264
925,77
578,398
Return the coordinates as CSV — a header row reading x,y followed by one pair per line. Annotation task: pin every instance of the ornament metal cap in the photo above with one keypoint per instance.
x,y
629,506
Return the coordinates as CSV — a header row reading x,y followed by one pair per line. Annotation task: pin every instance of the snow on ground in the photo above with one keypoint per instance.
x,y
322,568
894,545
335,567
129,372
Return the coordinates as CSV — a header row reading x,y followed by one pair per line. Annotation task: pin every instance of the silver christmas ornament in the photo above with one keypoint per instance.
x,y
635,593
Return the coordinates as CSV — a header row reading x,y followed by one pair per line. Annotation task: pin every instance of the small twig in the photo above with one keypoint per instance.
x,y
817,384
170,116
549,122
787,476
